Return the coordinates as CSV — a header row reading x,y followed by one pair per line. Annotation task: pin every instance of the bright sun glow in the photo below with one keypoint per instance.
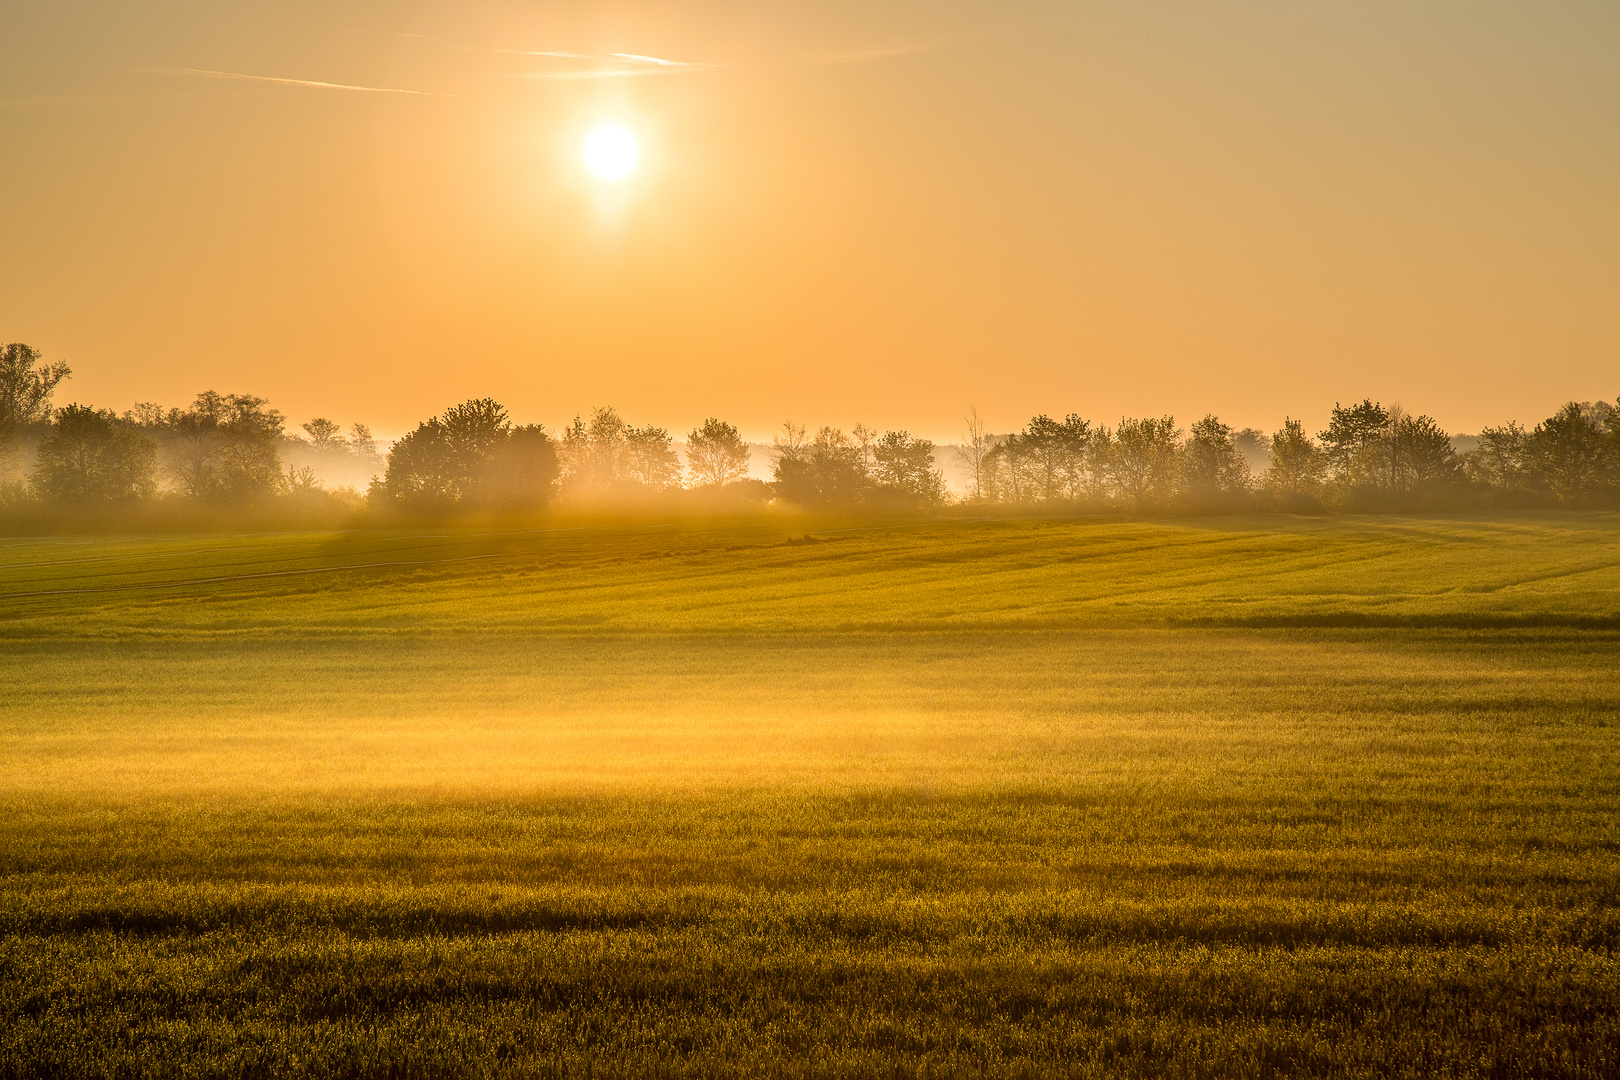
x,y
611,152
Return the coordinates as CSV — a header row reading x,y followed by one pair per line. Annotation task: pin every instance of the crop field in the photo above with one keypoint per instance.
x,y
1262,796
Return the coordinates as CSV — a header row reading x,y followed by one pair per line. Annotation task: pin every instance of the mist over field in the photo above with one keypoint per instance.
x,y
818,796
608,538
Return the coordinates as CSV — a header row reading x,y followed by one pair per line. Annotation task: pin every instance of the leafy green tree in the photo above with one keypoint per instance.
x,y
224,447
716,454
1145,460
1214,472
906,466
88,457
325,436
1501,463
422,469
521,473
1423,462
1046,446
1572,453
1298,466
1351,442
26,386
825,471
473,458
593,453
650,459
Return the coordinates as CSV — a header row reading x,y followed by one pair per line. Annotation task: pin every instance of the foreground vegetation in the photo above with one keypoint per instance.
x,y
1247,797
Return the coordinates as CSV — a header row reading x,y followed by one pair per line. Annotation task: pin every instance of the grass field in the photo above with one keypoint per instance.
x,y
1230,797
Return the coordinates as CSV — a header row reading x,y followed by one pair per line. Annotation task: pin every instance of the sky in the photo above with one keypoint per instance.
x,y
844,211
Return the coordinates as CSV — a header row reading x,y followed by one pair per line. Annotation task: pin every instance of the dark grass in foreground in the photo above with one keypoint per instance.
x,y
320,843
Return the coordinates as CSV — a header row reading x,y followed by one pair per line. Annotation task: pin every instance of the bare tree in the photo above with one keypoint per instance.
x,y
975,444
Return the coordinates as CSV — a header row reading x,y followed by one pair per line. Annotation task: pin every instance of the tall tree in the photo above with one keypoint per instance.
x,y
224,447
88,457
1145,459
906,466
1214,472
1352,442
1571,454
826,471
1501,462
1423,461
26,386
716,454
650,458
970,453
471,457
593,452
325,436
1298,466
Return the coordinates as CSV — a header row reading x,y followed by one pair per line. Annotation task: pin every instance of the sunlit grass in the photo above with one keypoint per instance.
x,y
717,804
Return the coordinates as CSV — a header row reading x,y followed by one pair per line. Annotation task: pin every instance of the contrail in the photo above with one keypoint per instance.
x,y
287,82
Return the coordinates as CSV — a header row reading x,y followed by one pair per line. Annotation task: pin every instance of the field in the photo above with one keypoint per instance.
x,y
1232,797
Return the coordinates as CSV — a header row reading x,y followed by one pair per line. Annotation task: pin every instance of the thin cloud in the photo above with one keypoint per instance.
x,y
630,65
537,52
600,73
203,72
632,58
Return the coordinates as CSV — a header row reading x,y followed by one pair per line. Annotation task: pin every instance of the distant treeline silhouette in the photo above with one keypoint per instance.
x,y
234,451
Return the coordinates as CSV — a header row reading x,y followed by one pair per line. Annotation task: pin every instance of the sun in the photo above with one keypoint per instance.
x,y
611,152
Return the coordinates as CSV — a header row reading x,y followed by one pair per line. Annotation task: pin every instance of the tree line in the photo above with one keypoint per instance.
x,y
234,449
1370,457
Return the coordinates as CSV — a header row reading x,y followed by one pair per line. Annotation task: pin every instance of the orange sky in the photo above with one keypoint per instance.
x,y
845,211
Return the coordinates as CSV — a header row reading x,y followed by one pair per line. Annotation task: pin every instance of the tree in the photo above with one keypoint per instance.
x,y
1502,460
26,387
716,454
422,470
521,473
1145,458
1255,446
1046,445
1351,443
826,471
223,447
866,438
1422,459
593,452
1572,455
87,457
1298,465
650,459
325,436
970,454
1214,472
471,457
906,465
361,442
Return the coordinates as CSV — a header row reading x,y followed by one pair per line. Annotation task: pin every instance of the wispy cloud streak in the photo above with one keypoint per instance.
x,y
537,52
628,66
205,73
632,58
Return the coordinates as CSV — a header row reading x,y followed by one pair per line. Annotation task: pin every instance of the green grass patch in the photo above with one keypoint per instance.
x,y
913,801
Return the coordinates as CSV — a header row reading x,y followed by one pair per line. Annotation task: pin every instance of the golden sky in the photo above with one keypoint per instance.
x,y
844,210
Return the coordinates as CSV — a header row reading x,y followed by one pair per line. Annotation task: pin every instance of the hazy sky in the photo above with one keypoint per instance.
x,y
844,211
